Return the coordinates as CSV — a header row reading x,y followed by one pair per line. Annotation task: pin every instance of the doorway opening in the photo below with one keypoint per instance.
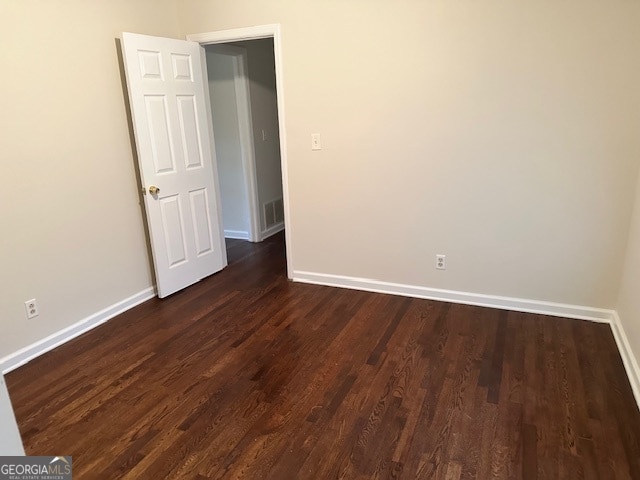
x,y
242,92
243,69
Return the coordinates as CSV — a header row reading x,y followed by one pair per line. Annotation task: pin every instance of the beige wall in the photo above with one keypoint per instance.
x,y
629,301
72,229
504,135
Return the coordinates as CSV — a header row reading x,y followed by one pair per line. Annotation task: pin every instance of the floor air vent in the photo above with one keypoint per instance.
x,y
273,212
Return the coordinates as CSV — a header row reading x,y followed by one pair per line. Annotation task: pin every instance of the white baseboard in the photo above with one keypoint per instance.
x,y
236,234
19,358
453,296
278,227
24,355
628,359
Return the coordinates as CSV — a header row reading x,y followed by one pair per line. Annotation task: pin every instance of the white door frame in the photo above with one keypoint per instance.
x,y
245,128
256,33
10,441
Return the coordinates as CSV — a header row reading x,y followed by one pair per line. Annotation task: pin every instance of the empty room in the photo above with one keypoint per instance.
x,y
437,274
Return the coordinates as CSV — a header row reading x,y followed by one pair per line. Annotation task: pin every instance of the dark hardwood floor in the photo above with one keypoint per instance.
x,y
247,375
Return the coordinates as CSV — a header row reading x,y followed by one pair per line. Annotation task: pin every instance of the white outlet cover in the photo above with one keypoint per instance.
x,y
31,308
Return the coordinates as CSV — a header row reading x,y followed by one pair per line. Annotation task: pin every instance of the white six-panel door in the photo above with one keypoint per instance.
x,y
167,98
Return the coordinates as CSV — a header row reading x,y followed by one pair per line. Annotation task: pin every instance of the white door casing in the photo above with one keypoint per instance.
x,y
10,441
173,139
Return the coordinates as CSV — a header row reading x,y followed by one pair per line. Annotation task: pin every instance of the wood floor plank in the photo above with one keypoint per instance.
x,y
248,375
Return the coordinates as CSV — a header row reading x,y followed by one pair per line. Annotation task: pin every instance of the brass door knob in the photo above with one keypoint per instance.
x,y
153,190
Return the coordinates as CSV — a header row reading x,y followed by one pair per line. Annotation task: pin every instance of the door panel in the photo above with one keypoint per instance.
x,y
159,127
150,66
166,93
190,129
173,227
201,223
182,67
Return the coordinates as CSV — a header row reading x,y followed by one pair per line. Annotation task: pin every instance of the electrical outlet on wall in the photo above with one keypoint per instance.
x,y
441,262
31,307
